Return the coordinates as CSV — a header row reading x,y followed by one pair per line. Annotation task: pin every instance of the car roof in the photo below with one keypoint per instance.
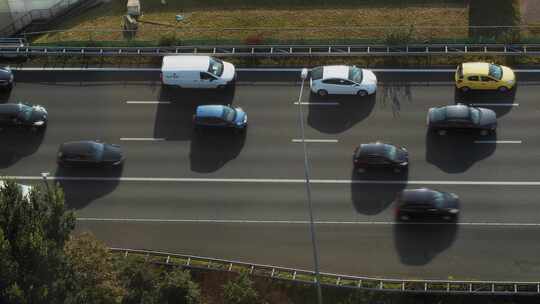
x,y
336,71
10,108
457,112
418,196
210,111
185,63
480,68
79,147
5,70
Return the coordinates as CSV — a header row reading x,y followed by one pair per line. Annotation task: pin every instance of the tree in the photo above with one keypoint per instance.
x,y
34,230
140,281
240,291
178,288
91,276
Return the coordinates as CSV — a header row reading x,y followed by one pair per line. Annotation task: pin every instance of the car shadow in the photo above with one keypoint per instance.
x,y
212,149
394,94
17,144
457,152
174,120
501,103
374,190
337,113
81,186
418,244
5,95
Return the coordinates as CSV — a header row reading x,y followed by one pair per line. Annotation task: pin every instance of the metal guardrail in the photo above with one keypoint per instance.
x,y
330,279
283,50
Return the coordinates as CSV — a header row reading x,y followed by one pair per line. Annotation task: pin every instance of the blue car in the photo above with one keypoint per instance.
x,y
220,116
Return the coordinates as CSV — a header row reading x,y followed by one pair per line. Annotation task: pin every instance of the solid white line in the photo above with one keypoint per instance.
x,y
280,181
314,140
498,142
141,139
495,104
243,70
148,102
318,103
299,222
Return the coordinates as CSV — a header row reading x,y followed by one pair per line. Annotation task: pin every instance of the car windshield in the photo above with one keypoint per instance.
x,y
215,67
355,74
475,115
438,114
390,151
438,199
229,114
25,113
495,71
317,73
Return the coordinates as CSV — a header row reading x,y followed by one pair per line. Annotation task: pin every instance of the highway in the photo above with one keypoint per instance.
x,y
244,198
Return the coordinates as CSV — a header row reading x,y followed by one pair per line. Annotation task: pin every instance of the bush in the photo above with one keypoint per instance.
x,y
240,291
177,287
167,40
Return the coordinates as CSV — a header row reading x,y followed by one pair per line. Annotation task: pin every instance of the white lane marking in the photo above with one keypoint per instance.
x,y
141,139
299,140
280,181
299,222
318,103
148,102
244,70
495,104
498,141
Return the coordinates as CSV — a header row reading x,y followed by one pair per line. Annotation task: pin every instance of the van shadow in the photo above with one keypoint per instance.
x,y
394,94
501,103
340,112
371,194
81,186
17,144
455,153
212,149
418,244
174,121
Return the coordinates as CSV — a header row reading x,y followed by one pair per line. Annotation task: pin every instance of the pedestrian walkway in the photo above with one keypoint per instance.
x,y
530,11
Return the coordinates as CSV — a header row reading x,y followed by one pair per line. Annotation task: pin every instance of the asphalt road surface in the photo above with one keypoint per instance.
x,y
244,198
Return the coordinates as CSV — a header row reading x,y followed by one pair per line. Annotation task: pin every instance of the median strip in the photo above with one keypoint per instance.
x,y
498,142
495,104
148,102
141,139
317,103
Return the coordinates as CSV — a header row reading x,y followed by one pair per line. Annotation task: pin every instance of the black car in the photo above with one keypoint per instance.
x,y
426,205
381,155
23,115
461,117
6,78
89,153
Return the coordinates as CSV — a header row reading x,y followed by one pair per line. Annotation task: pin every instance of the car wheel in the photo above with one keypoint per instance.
x,y
503,89
464,89
221,87
404,217
362,93
484,132
360,170
442,132
322,93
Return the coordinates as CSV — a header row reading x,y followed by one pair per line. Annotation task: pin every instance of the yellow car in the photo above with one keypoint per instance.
x,y
484,76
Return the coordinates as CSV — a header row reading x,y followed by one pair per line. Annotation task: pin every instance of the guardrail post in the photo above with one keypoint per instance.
x,y
230,266
168,259
272,274
338,280
381,285
188,261
294,275
251,270
425,286
403,286
359,283
126,254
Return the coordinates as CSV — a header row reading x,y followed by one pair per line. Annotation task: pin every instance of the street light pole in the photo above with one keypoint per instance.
x,y
304,75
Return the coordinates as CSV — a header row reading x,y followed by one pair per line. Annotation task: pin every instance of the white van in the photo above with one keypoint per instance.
x,y
199,72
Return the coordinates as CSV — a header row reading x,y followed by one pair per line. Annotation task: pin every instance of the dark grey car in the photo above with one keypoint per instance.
x,y
427,205
23,115
6,78
461,117
380,155
89,153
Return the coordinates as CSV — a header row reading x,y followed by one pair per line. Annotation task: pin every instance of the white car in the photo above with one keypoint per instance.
x,y
342,79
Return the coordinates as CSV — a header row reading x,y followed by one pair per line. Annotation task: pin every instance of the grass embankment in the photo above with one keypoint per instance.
x,y
299,21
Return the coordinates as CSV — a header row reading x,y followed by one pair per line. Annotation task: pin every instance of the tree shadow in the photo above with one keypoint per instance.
x,y
456,152
174,121
18,143
418,244
341,112
501,103
394,94
81,186
212,149
374,190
